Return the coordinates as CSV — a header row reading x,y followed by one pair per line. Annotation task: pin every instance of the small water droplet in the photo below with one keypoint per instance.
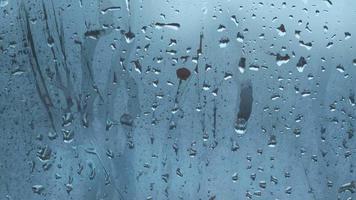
x,y
126,119
281,30
129,36
301,64
223,42
235,177
272,142
240,37
37,189
68,136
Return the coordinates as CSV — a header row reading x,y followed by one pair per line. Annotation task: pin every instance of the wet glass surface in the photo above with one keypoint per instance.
x,y
177,99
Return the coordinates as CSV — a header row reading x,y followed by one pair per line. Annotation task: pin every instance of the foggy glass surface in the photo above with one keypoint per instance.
x,y
177,99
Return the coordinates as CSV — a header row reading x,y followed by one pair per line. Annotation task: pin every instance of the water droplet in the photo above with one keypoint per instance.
x,y
240,126
242,64
126,119
234,19
37,189
272,142
221,28
129,36
183,73
301,64
347,35
340,68
223,42
307,45
240,37
282,59
235,177
44,154
68,136
173,26
281,30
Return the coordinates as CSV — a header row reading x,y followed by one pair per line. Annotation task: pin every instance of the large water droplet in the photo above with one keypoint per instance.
x,y
240,126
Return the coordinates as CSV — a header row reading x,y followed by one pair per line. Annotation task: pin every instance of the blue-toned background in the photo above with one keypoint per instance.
x,y
177,99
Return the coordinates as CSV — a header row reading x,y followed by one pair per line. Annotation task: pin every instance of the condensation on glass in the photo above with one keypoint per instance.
x,y
177,99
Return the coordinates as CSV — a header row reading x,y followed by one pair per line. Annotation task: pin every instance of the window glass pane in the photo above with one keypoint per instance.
x,y
168,99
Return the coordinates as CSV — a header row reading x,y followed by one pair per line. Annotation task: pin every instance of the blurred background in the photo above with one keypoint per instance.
x,y
168,99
